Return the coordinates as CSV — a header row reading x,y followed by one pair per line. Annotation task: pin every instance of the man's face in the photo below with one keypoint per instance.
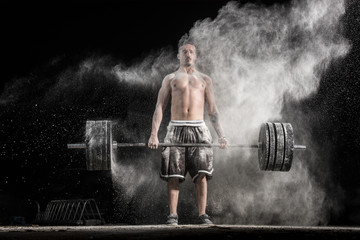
x,y
187,55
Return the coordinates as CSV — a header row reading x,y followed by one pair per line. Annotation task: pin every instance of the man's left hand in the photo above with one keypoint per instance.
x,y
223,143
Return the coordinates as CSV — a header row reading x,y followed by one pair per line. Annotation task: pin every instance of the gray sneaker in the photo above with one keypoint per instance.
x,y
205,220
172,219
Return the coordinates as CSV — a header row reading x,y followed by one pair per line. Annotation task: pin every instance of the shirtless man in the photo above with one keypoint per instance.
x,y
189,91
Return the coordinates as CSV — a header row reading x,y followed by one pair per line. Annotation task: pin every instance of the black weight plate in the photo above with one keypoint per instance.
x,y
280,151
289,146
272,147
263,150
98,138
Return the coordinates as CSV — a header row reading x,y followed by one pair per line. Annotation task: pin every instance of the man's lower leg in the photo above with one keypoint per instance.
x,y
173,194
201,193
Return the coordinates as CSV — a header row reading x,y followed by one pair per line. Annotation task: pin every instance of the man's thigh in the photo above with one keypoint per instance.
x,y
173,162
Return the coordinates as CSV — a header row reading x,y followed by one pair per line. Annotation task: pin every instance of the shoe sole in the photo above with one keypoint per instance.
x,y
172,224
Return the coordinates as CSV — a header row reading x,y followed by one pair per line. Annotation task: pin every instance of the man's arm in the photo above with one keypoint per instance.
x,y
162,101
214,112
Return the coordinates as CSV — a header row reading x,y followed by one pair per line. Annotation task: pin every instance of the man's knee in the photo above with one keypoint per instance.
x,y
200,178
173,182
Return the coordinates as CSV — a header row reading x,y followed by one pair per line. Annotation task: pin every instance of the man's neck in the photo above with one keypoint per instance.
x,y
187,69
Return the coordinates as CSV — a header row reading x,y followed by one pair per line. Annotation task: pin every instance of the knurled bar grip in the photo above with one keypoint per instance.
x,y
118,145
184,145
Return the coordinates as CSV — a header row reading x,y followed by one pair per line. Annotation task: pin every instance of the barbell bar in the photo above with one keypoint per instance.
x,y
275,146
119,145
116,145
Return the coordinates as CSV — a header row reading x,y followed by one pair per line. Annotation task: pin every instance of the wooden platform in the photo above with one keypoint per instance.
x,y
183,232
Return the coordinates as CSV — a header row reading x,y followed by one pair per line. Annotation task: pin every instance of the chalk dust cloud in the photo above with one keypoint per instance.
x,y
256,56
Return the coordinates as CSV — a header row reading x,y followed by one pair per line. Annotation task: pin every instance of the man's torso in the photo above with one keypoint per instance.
x,y
187,96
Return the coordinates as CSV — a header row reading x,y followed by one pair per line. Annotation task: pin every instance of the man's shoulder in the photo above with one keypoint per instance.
x,y
167,80
169,77
205,77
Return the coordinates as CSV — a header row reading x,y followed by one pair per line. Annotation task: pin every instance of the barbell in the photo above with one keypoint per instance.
x,y
275,146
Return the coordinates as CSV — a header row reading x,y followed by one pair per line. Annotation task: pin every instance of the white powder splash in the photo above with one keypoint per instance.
x,y
255,56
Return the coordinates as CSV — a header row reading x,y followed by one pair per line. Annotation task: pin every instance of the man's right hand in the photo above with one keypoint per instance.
x,y
153,142
223,143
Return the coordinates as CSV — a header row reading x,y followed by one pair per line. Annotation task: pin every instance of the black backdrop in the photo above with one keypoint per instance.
x,y
42,38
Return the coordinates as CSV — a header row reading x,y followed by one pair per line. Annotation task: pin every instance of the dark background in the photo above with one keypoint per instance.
x,y
42,38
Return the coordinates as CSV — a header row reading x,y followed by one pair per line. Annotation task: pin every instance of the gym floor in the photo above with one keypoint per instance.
x,y
183,232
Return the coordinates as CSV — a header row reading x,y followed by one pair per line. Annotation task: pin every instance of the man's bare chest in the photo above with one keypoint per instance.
x,y
187,82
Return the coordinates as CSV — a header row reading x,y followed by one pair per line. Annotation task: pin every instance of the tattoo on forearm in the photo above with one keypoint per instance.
x,y
214,118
